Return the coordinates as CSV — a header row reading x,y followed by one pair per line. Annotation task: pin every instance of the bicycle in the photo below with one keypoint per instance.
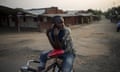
x,y
56,66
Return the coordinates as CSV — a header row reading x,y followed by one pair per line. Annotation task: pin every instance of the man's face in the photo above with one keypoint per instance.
x,y
60,25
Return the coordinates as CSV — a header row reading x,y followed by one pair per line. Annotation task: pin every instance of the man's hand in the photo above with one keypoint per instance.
x,y
56,32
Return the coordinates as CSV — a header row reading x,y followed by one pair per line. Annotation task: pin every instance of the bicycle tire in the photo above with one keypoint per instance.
x,y
28,70
58,69
72,70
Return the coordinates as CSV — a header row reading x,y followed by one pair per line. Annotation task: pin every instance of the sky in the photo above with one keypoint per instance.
x,y
62,4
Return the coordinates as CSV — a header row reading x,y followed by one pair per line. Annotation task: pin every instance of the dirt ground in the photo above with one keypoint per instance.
x,y
96,44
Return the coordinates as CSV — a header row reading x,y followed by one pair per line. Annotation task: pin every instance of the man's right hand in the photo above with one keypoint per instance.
x,y
56,32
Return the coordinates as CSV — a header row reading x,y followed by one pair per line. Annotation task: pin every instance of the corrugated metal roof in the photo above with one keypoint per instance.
x,y
68,15
84,14
36,11
63,15
72,12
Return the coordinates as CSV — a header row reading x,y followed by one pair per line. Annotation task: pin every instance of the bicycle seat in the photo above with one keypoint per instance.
x,y
56,52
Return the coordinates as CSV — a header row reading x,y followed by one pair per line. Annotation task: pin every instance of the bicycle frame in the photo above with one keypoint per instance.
x,y
57,63
26,68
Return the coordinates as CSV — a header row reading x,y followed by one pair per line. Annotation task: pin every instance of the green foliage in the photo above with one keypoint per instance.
x,y
113,14
95,12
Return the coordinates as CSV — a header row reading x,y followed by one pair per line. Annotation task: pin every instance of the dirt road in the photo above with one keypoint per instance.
x,y
97,48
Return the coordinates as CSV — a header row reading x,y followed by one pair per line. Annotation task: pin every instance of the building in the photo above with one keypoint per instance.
x,y
40,19
70,18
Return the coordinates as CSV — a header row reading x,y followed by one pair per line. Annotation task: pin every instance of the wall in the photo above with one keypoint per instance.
x,y
3,21
72,20
53,10
28,22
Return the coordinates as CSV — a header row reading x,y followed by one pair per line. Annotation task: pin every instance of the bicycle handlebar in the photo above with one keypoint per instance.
x,y
30,61
35,61
26,69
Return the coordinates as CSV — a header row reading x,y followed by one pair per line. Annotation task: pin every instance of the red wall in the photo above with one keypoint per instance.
x,y
72,20
53,10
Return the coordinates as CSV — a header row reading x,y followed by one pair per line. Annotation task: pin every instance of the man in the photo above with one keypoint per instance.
x,y
118,26
59,37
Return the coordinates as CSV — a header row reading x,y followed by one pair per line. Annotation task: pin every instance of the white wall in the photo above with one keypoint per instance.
x,y
12,23
29,23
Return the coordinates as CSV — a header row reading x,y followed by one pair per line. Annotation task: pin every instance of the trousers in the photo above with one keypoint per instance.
x,y
68,59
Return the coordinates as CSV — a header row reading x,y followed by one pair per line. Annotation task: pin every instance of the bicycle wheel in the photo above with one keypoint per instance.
x,y
56,69
27,70
19,71
72,70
